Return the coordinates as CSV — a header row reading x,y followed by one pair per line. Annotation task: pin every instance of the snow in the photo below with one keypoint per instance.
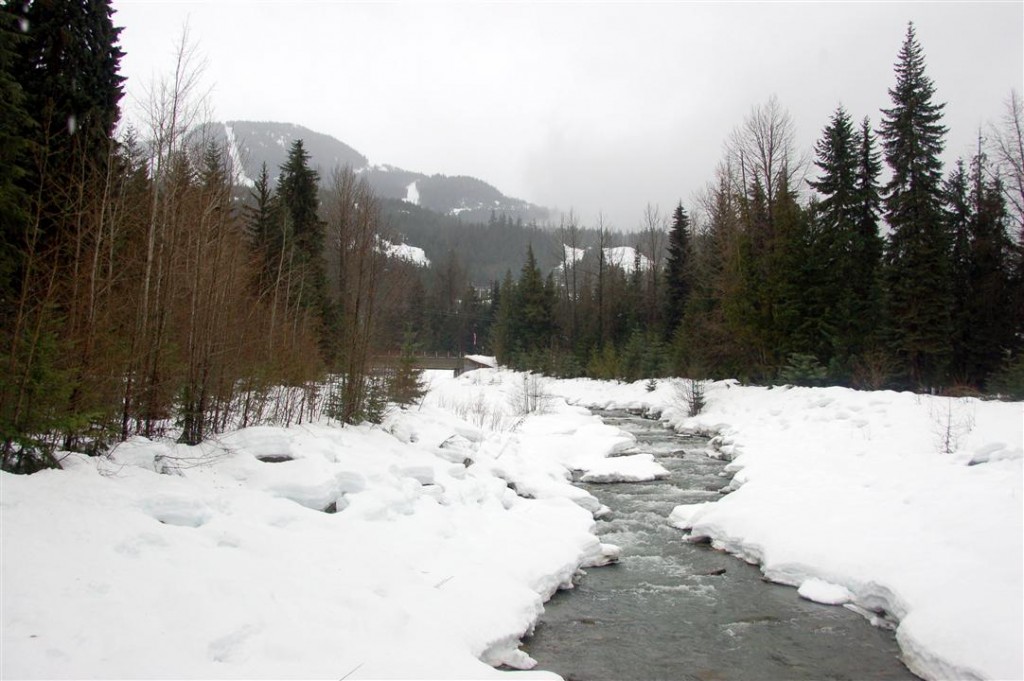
x,y
426,547
413,254
573,254
625,257
236,159
820,591
910,503
631,468
412,194
226,560
486,360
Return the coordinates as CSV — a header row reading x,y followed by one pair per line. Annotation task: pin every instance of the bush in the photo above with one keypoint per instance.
x,y
803,369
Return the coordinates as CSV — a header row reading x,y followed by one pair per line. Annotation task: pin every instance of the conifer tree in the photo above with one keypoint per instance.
x,y
678,270
260,226
68,68
298,193
14,126
846,244
917,262
990,323
535,307
868,244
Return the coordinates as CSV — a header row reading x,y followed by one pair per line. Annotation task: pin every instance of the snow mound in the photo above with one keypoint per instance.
x,y
632,468
820,591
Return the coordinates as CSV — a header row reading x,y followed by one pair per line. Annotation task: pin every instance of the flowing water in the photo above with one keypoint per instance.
x,y
675,610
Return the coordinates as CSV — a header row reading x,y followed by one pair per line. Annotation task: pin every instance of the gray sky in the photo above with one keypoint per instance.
x,y
596,106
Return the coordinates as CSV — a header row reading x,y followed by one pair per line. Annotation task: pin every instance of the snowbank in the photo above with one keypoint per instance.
x,y
421,549
909,506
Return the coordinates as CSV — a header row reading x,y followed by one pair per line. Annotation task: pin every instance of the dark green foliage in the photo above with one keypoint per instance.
x,y
678,270
803,369
405,386
980,263
847,246
298,194
68,68
917,273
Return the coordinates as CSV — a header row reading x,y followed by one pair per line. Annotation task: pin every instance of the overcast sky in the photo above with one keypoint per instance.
x,y
595,106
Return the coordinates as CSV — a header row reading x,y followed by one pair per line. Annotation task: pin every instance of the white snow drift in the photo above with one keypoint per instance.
x,y
425,548
908,507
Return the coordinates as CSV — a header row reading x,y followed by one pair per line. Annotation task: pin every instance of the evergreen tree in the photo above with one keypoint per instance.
x,y
847,246
68,68
678,270
535,307
298,193
867,246
14,126
917,262
958,216
260,221
990,335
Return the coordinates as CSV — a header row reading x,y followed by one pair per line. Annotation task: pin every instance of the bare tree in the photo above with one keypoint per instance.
x,y
570,239
762,151
1007,145
653,241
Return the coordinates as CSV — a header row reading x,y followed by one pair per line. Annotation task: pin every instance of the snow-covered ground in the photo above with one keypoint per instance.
x,y
887,501
455,521
226,560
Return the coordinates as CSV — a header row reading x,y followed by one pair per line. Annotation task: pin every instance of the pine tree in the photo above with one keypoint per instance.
x,y
917,262
678,270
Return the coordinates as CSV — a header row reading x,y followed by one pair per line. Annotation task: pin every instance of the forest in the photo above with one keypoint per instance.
x,y
143,293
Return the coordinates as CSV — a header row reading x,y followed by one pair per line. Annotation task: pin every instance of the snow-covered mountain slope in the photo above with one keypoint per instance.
x,y
252,143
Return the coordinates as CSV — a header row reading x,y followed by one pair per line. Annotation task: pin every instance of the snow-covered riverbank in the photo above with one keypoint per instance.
x,y
220,561
898,502
453,523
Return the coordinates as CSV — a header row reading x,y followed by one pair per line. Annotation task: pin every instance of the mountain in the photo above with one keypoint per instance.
x,y
251,144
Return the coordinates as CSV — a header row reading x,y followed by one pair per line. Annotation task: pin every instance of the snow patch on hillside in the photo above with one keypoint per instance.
x,y
412,194
413,254
236,159
625,257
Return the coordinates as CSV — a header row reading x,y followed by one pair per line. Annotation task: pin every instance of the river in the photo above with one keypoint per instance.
x,y
676,610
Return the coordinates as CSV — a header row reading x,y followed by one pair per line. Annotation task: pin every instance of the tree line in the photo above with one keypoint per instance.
x,y
142,292
883,271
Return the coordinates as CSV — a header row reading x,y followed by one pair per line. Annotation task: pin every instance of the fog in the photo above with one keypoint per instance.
x,y
596,107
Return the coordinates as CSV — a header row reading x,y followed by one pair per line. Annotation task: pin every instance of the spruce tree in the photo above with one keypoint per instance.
x,y
847,246
916,262
958,216
68,68
991,324
14,128
868,244
535,306
298,192
678,270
